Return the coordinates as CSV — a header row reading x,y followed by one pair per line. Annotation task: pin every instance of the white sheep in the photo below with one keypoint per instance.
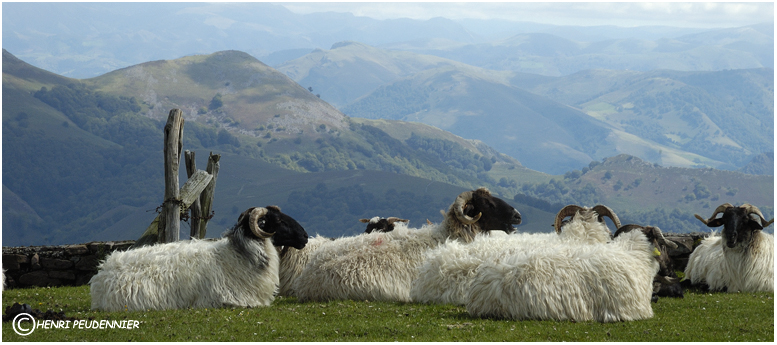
x,y
294,260
240,269
740,258
381,266
605,282
447,271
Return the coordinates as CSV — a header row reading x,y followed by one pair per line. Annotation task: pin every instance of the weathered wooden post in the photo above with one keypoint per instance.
x,y
191,167
206,199
172,205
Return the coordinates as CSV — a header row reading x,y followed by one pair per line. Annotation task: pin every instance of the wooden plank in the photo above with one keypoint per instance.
x,y
189,192
196,213
173,143
206,199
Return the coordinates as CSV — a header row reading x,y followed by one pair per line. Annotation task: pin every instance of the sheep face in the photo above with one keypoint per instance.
x,y
739,223
495,213
282,229
381,224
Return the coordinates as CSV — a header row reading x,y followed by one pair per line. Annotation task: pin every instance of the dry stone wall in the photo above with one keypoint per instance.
x,y
68,265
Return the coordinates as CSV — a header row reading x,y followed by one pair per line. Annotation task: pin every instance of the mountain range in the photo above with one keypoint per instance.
x,y
82,157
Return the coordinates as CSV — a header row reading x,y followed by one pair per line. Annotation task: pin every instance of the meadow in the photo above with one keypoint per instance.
x,y
700,316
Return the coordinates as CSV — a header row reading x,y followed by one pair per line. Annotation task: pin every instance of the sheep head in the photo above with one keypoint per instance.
x,y
666,281
574,211
480,211
381,224
270,222
739,223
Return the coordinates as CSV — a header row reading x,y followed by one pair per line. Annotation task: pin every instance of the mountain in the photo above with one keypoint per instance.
x,y
83,161
350,70
722,118
548,54
762,164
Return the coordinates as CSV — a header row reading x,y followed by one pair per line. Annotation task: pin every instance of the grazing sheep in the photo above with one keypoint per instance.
x,y
381,224
741,258
240,269
381,266
666,283
447,271
605,282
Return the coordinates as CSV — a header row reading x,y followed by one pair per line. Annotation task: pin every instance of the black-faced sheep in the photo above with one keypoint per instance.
x,y
381,266
666,283
605,282
447,271
381,224
741,258
240,269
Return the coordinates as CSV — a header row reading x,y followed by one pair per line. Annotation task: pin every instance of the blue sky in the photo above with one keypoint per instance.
x,y
683,14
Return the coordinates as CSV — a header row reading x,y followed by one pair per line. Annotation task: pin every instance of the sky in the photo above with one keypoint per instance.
x,y
626,14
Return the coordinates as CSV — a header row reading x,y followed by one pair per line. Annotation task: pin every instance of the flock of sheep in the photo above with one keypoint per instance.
x,y
472,258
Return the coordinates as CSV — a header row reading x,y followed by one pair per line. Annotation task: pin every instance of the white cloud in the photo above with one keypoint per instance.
x,y
687,14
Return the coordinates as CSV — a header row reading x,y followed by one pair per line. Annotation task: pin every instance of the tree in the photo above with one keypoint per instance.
x,y
216,102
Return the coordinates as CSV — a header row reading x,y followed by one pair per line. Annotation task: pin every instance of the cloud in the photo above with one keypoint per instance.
x,y
685,14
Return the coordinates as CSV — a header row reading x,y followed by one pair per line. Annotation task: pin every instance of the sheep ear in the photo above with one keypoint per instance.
x,y
754,224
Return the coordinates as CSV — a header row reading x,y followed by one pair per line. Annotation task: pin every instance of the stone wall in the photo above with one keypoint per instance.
x,y
75,264
68,265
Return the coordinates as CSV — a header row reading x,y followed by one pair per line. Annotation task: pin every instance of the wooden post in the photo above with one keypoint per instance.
x,y
190,191
206,199
196,213
172,151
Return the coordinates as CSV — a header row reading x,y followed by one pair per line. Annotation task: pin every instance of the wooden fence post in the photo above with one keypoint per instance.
x,y
172,151
196,214
206,199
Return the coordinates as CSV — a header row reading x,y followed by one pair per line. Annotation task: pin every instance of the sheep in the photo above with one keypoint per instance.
x,y
381,266
605,282
447,271
381,224
240,269
293,260
666,283
741,258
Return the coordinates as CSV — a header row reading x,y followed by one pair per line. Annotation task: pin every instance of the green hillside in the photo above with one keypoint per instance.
x,y
719,119
83,158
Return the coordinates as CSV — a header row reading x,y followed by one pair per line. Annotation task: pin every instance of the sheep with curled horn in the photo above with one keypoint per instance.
x,y
567,280
446,273
381,266
740,258
240,269
666,282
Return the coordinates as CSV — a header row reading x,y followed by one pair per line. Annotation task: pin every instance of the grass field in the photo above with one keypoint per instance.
x,y
698,317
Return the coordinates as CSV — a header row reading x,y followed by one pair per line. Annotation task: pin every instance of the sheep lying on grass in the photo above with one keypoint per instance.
x,y
240,269
447,271
605,282
741,258
381,266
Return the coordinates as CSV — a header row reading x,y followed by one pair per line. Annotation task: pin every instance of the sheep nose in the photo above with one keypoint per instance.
x,y
516,217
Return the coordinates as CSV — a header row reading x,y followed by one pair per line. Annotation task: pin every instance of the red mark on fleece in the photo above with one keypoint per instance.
x,y
378,242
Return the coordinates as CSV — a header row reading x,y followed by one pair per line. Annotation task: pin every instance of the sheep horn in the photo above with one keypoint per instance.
x,y
393,220
567,211
253,222
754,210
720,209
604,211
626,228
660,237
458,208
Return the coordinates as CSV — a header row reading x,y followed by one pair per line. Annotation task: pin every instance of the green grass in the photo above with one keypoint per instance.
x,y
697,317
